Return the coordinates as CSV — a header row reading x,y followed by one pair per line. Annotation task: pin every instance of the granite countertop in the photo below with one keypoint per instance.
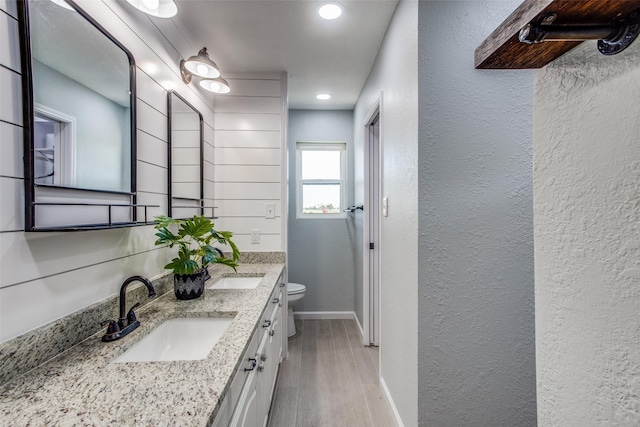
x,y
83,386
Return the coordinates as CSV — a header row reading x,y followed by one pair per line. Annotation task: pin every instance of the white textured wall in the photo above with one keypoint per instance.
x,y
395,74
476,304
44,276
587,239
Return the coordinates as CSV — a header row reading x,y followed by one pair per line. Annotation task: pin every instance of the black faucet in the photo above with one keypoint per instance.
x,y
126,323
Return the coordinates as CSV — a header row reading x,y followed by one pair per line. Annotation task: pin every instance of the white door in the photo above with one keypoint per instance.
x,y
372,213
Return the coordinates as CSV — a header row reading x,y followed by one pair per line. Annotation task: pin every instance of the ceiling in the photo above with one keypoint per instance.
x,y
319,56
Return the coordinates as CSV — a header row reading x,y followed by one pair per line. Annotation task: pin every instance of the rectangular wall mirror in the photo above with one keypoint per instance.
x,y
186,158
79,91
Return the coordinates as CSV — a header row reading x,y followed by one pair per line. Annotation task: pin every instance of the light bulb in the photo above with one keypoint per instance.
x,y
217,85
202,70
323,96
151,4
330,11
159,8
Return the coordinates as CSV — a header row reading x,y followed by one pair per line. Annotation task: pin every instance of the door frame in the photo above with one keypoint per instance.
x,y
375,110
65,150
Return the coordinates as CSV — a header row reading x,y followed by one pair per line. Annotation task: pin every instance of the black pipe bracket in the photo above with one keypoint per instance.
x,y
613,37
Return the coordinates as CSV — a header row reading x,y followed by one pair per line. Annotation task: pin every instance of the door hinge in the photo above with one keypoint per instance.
x,y
372,246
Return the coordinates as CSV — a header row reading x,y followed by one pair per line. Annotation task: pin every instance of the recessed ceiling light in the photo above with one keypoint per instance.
x,y
330,11
323,96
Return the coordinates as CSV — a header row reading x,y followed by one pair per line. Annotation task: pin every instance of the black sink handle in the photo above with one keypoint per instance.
x,y
131,316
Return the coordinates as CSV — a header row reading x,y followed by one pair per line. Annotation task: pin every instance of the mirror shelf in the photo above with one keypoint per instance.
x,y
80,121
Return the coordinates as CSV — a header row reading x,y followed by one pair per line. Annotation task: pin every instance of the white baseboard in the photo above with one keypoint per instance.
x,y
332,315
392,406
355,318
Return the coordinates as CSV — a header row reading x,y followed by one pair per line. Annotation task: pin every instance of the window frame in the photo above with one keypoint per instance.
x,y
340,146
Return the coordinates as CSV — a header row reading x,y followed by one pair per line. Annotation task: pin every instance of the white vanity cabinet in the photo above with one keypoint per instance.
x,y
253,385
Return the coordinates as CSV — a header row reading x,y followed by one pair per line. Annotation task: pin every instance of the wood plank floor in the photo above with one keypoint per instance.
x,y
329,379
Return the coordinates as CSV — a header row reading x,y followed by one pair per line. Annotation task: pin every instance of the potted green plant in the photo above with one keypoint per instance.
x,y
194,240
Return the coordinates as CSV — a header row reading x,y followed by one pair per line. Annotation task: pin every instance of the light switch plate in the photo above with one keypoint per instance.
x,y
255,236
270,210
385,210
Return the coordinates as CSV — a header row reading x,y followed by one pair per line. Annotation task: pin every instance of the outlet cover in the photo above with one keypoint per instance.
x,y
270,210
255,236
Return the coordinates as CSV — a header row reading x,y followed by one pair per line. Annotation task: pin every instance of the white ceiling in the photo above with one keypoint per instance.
x,y
286,35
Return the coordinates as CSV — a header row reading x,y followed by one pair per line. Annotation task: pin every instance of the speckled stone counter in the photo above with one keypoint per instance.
x,y
83,387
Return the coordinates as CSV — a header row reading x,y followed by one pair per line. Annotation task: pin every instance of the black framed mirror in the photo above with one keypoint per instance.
x,y
79,115
186,158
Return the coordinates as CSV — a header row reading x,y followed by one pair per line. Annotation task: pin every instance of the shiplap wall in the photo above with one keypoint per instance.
x,y
44,276
250,130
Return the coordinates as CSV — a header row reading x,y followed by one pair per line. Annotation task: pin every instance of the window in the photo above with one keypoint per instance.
x,y
321,175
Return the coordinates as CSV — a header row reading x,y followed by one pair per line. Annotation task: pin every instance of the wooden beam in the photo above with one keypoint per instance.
x,y
503,50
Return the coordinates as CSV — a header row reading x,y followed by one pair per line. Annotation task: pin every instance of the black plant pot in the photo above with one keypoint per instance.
x,y
190,286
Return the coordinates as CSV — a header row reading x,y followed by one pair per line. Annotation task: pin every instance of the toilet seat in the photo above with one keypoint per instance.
x,y
295,288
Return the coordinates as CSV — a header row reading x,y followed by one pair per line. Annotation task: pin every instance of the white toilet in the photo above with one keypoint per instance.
x,y
295,292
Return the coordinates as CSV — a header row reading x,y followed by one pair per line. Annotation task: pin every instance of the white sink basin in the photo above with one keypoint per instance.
x,y
237,283
178,339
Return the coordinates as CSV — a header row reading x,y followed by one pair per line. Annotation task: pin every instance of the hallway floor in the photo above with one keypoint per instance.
x,y
330,379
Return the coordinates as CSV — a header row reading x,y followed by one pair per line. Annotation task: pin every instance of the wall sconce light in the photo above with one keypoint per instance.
x,y
201,65
217,85
159,8
612,38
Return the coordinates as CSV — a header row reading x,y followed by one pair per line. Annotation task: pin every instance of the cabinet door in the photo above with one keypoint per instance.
x,y
273,351
249,411
222,419
246,414
243,370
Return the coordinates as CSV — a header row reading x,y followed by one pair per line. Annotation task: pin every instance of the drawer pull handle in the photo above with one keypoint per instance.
x,y
276,300
266,324
282,285
253,365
